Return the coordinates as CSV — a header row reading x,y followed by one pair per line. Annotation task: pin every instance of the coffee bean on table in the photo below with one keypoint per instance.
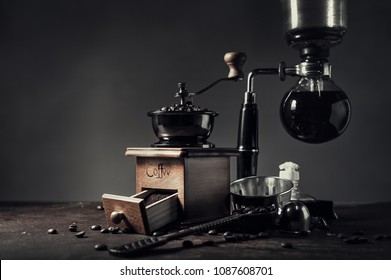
x,y
187,244
263,235
212,232
114,230
363,240
100,207
96,227
231,238
101,247
271,208
262,210
379,237
237,211
72,227
287,245
80,234
157,233
208,243
126,230
52,231
105,230
243,236
341,236
351,240
356,240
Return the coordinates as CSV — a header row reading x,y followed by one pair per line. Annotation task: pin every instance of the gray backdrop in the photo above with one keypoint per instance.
x,y
77,78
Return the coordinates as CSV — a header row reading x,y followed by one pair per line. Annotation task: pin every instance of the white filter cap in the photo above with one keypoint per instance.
x,y
289,171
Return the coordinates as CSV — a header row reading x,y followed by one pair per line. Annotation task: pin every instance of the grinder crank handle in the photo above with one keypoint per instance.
x,y
235,62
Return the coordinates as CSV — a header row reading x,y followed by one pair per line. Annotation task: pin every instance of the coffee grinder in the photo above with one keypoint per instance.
x,y
189,174
196,173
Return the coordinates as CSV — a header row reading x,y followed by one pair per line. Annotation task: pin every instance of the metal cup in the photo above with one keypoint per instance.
x,y
260,191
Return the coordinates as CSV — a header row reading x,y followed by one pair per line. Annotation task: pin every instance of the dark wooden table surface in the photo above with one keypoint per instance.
x,y
24,226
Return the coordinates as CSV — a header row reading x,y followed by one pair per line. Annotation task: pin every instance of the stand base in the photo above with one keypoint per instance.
x,y
321,208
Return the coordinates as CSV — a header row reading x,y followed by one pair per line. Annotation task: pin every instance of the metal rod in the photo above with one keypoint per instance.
x,y
247,161
259,71
213,84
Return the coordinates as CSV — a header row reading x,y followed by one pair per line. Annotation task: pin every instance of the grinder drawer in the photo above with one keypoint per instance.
x,y
143,212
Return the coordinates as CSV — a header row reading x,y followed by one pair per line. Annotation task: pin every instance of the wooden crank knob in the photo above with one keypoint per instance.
x,y
235,62
116,217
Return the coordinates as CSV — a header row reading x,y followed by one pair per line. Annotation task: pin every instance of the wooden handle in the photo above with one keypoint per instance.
x,y
235,62
116,217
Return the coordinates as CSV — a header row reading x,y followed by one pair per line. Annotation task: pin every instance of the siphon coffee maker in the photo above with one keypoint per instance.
x,y
315,110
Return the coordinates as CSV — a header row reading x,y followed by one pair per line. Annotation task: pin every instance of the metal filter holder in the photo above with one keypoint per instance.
x,y
260,191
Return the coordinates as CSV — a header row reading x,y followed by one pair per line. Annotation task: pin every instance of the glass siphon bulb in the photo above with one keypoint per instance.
x,y
315,110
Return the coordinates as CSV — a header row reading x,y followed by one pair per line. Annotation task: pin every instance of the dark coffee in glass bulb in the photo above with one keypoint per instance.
x,y
315,116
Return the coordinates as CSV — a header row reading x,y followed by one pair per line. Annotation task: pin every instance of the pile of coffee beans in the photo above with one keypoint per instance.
x,y
358,237
234,237
155,196
188,107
